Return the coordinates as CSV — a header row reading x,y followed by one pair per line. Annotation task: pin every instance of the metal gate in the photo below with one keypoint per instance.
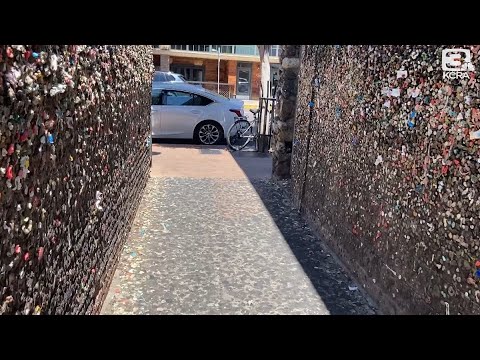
x,y
266,115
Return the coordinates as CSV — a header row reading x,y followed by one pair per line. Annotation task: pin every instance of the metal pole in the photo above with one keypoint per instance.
x,y
218,70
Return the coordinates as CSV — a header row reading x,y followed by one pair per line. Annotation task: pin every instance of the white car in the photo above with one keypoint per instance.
x,y
167,76
184,111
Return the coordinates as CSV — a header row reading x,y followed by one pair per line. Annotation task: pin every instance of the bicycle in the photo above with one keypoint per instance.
x,y
243,131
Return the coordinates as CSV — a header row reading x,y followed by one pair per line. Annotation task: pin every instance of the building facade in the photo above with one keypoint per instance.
x,y
233,68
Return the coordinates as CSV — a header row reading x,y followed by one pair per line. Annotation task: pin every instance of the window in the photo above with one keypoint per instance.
x,y
227,49
170,77
181,98
246,49
179,47
224,49
156,97
191,47
275,50
189,72
201,100
177,98
203,48
159,76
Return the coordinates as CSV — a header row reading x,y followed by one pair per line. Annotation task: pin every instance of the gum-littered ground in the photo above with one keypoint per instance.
x,y
214,235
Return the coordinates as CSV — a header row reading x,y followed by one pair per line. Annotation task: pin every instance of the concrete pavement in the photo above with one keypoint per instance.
x,y
214,235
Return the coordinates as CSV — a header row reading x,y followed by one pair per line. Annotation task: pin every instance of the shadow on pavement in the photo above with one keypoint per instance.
x,y
254,164
183,142
173,141
335,287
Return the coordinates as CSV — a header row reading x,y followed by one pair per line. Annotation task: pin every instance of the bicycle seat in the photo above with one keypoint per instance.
x,y
254,111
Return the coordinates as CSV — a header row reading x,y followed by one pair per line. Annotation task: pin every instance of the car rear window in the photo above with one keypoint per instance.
x,y
201,101
177,98
159,77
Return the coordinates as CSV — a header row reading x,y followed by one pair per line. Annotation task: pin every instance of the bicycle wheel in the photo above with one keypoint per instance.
x,y
239,134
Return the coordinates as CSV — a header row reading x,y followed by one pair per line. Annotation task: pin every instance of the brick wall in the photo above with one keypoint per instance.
x,y
186,61
228,72
256,80
386,166
211,70
232,74
74,124
164,63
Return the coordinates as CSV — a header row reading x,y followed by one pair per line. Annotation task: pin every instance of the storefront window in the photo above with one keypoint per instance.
x,y
189,72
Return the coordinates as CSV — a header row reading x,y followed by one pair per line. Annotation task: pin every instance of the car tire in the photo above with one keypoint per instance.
x,y
208,131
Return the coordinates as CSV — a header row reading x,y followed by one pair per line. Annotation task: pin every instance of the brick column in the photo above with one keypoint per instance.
x,y
164,63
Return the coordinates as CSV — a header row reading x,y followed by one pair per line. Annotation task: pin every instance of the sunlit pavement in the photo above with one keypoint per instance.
x,y
204,242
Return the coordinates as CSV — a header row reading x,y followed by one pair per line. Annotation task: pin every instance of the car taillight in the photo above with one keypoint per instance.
x,y
237,112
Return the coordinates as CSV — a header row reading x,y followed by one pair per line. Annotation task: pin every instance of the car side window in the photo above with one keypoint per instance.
x,y
170,77
156,99
201,100
177,98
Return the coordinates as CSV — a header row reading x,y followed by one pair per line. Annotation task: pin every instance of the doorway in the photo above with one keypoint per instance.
x,y
244,80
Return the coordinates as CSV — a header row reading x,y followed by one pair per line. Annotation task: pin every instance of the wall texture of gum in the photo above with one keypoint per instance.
x,y
74,136
392,182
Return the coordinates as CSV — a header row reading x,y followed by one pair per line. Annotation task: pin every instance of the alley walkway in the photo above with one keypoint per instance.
x,y
204,242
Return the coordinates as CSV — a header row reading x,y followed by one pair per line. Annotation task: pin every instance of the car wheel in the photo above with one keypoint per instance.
x,y
209,133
